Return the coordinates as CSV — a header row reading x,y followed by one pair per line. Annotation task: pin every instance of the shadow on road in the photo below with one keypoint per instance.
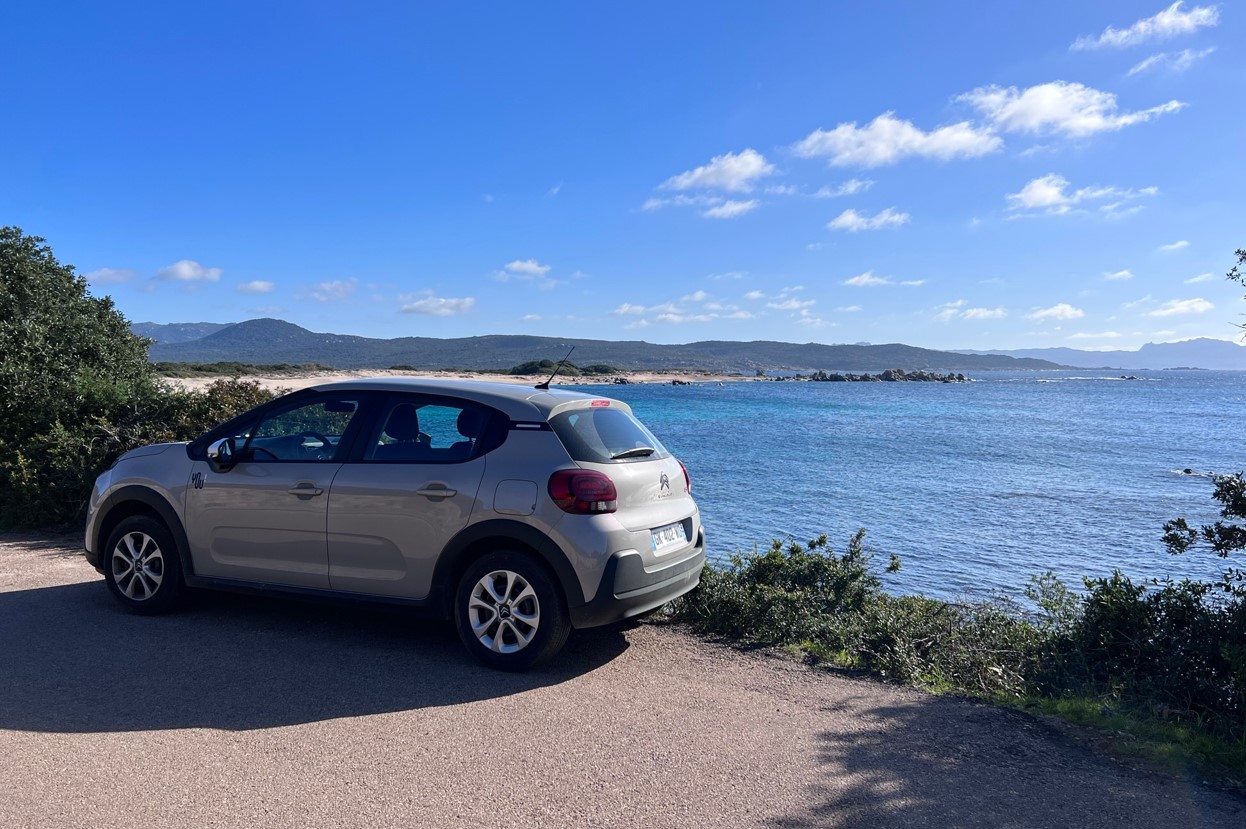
x,y
71,660
941,762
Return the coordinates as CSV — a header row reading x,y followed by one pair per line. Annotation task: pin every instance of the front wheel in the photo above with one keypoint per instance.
x,y
509,612
141,565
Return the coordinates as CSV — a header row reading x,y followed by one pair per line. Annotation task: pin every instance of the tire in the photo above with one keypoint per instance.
x,y
509,611
154,584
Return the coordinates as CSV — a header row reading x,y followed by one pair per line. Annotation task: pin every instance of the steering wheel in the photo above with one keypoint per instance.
x,y
319,438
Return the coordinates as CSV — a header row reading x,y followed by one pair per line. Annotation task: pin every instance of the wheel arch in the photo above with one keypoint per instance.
x,y
134,500
480,539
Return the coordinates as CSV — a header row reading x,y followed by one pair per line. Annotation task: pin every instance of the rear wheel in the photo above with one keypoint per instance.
x,y
509,612
141,565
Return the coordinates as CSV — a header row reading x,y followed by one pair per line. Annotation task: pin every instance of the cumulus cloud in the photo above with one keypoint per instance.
x,y
730,209
1050,194
983,313
1175,307
1202,277
109,276
332,290
1170,22
681,200
737,172
848,188
188,270
852,221
437,306
949,310
1172,61
1177,245
913,283
255,286
1063,311
791,304
887,140
867,279
849,309
526,268
754,295
1073,110
1119,275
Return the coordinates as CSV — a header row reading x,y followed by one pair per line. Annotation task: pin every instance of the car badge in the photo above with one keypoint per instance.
x,y
664,482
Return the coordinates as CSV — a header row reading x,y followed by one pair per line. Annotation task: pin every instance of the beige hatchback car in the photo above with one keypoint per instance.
x,y
520,513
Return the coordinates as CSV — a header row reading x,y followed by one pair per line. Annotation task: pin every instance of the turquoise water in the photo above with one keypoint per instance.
x,y
975,486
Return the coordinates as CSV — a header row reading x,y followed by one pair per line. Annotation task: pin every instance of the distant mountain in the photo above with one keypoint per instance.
x,y
1198,353
177,332
276,341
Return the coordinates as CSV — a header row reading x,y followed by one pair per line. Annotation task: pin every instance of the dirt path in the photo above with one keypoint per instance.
x,y
270,713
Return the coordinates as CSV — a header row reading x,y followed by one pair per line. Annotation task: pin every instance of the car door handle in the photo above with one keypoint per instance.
x,y
437,492
305,490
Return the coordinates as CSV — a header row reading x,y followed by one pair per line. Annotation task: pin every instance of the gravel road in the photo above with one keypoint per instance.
x,y
247,712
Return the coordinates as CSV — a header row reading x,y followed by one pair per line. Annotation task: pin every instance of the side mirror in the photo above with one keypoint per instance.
x,y
221,455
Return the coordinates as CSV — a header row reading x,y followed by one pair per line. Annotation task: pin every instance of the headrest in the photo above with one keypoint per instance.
x,y
404,423
471,423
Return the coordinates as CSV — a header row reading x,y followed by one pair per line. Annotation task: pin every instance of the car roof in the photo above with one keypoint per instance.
x,y
512,398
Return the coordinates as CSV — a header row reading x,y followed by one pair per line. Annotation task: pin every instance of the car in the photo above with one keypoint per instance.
x,y
519,513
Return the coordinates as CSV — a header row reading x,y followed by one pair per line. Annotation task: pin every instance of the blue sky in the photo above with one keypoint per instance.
x,y
952,175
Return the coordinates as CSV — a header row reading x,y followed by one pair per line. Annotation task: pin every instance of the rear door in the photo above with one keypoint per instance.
x,y
264,520
411,487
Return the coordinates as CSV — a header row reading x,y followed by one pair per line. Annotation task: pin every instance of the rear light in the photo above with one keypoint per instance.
x,y
687,479
583,492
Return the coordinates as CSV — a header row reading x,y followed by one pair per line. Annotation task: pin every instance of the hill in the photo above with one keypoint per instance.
x,y
177,332
1198,353
276,341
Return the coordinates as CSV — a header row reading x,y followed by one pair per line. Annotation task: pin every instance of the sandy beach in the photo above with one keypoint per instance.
x,y
295,381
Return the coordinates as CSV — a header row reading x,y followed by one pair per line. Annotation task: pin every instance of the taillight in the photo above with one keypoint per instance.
x,y
687,479
583,492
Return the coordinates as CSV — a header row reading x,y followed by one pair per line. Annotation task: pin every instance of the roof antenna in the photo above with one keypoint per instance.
x,y
545,386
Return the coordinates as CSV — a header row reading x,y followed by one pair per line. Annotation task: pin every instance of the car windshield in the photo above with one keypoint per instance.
x,y
605,435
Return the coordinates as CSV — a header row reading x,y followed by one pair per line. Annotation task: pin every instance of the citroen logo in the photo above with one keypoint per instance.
x,y
664,482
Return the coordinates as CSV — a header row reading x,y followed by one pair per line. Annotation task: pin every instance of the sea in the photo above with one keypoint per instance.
x,y
976,486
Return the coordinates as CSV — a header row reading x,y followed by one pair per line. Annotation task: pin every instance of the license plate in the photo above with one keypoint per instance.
x,y
672,535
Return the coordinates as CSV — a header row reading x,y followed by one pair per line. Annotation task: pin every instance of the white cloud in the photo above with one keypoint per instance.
x,y
687,317
436,306
255,286
1170,22
1049,194
754,295
867,279
1172,61
109,276
782,190
791,304
730,209
1070,109
638,324
848,188
530,317
853,221
1141,301
188,270
1177,245
1063,311
887,140
737,172
681,200
333,290
983,313
1202,277
913,283
847,309
948,310
628,308
554,191
695,296
526,268
1174,307
1119,275
1102,335
728,275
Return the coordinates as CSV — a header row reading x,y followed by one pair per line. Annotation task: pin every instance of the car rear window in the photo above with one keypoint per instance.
x,y
604,435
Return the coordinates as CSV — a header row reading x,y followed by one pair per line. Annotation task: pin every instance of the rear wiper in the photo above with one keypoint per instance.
x,y
638,452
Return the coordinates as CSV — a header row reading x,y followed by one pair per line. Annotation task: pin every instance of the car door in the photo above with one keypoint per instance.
x,y
412,487
264,519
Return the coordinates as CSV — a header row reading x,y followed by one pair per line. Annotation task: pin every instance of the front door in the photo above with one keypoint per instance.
x,y
264,520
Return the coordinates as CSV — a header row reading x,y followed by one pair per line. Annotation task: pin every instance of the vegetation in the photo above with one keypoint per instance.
x,y
235,369
569,369
76,389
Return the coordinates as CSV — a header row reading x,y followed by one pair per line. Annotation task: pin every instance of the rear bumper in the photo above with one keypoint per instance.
x,y
628,589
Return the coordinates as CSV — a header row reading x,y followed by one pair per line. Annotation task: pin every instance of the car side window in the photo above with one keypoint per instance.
x,y
307,432
417,430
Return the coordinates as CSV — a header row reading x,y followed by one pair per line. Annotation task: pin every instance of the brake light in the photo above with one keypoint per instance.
x,y
687,478
583,492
